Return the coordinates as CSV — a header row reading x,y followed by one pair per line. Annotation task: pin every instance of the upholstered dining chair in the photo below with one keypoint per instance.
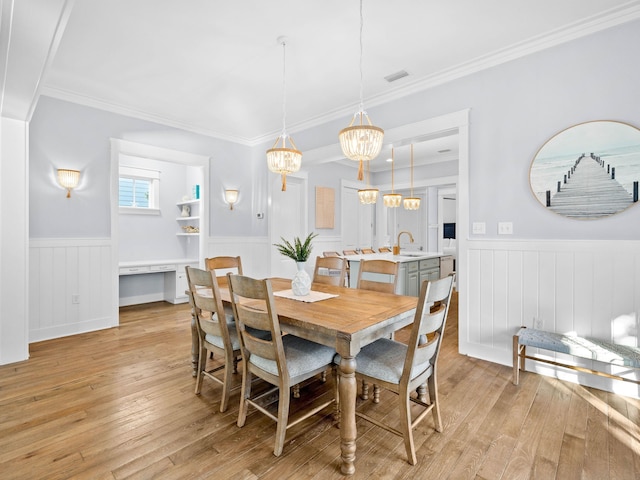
x,y
282,361
402,368
368,250
384,250
330,271
330,253
349,252
373,273
216,331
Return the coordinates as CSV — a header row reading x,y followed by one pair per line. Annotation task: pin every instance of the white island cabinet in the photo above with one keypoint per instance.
x,y
413,268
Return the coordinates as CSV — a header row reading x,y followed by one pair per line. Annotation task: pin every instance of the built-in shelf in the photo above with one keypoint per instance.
x,y
193,207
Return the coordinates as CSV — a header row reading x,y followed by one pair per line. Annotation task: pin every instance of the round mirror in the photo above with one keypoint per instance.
x,y
587,171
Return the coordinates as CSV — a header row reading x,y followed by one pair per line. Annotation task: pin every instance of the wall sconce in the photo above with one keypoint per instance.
x,y
231,197
68,179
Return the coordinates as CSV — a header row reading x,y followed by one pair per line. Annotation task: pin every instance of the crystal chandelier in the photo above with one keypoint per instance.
x,y
368,195
411,203
392,200
283,159
361,141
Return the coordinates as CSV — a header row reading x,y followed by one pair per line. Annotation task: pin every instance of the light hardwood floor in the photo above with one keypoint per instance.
x,y
119,404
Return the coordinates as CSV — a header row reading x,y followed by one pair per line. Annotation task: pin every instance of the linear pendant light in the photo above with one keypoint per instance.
x,y
392,200
282,159
361,141
411,203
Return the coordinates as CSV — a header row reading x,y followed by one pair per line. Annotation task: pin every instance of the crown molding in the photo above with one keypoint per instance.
x,y
616,16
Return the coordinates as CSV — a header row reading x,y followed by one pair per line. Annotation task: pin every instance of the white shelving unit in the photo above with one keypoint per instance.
x,y
192,220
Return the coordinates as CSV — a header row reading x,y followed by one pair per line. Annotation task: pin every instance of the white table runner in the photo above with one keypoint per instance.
x,y
312,297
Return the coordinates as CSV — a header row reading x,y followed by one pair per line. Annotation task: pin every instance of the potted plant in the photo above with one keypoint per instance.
x,y
299,251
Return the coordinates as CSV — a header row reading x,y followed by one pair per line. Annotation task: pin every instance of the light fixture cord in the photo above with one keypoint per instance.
x,y
284,92
393,160
412,170
361,76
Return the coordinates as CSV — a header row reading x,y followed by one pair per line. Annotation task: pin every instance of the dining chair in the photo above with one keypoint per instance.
x,y
225,263
378,275
330,254
402,368
215,336
384,250
349,252
368,250
330,271
282,361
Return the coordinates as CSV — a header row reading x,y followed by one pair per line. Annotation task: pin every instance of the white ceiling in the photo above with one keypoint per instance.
x,y
215,67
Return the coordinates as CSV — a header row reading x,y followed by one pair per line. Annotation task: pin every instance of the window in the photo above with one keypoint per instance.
x,y
138,191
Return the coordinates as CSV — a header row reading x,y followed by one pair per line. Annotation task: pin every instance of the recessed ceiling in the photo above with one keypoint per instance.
x,y
215,67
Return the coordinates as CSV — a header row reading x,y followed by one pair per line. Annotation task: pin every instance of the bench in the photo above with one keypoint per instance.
x,y
582,347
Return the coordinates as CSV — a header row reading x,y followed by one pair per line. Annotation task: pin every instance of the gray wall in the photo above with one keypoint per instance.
x,y
515,108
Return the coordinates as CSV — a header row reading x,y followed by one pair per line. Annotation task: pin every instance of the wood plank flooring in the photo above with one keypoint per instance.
x,y
119,404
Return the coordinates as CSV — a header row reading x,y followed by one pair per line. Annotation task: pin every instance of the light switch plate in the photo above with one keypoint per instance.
x,y
505,228
479,228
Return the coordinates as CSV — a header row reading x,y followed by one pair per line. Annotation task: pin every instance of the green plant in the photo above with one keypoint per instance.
x,y
299,250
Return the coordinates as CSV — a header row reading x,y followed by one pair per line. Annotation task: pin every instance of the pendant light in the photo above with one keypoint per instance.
x,y
361,141
368,195
392,200
282,159
411,203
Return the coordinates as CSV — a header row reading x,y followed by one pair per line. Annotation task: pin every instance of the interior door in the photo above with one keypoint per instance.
x,y
288,213
357,221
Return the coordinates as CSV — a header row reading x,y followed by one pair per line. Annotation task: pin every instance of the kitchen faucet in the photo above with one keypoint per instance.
x,y
396,248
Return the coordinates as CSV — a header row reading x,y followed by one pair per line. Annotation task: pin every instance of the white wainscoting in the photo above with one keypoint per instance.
x,y
591,288
254,252
59,270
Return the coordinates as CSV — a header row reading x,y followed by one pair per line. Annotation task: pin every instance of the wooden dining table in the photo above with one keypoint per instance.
x,y
347,322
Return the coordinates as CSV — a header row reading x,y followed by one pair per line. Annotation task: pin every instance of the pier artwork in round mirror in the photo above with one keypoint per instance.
x,y
588,171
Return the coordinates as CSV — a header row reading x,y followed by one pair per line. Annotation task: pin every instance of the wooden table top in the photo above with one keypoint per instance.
x,y
354,318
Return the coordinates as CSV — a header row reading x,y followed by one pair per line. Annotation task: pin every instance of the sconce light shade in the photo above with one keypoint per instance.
x,y
231,197
68,179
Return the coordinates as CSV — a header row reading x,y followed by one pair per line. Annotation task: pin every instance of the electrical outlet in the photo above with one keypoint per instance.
x,y
505,228
75,299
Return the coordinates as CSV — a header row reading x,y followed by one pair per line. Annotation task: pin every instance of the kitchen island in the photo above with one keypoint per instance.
x,y
414,267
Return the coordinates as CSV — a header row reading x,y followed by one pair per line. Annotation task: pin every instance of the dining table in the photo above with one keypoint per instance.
x,y
345,319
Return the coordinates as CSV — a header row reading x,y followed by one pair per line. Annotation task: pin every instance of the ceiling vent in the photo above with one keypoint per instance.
x,y
396,76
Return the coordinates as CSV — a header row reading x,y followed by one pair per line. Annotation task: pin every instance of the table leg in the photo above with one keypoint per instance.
x,y
348,433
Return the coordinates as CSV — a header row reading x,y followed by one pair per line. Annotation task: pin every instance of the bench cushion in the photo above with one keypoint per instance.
x,y
583,347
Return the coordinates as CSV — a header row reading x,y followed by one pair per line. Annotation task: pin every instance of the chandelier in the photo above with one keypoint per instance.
x,y
281,158
368,195
392,200
361,141
411,203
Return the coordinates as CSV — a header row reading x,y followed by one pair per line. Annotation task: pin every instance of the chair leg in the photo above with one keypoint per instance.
x,y
296,390
226,383
365,390
376,393
245,393
283,417
336,394
235,364
202,365
405,425
433,394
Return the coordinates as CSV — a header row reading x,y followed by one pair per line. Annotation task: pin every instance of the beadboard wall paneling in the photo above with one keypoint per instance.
x,y
591,288
253,250
60,269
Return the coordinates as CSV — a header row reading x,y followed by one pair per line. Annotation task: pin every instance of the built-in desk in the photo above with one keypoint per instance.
x,y
413,268
169,281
